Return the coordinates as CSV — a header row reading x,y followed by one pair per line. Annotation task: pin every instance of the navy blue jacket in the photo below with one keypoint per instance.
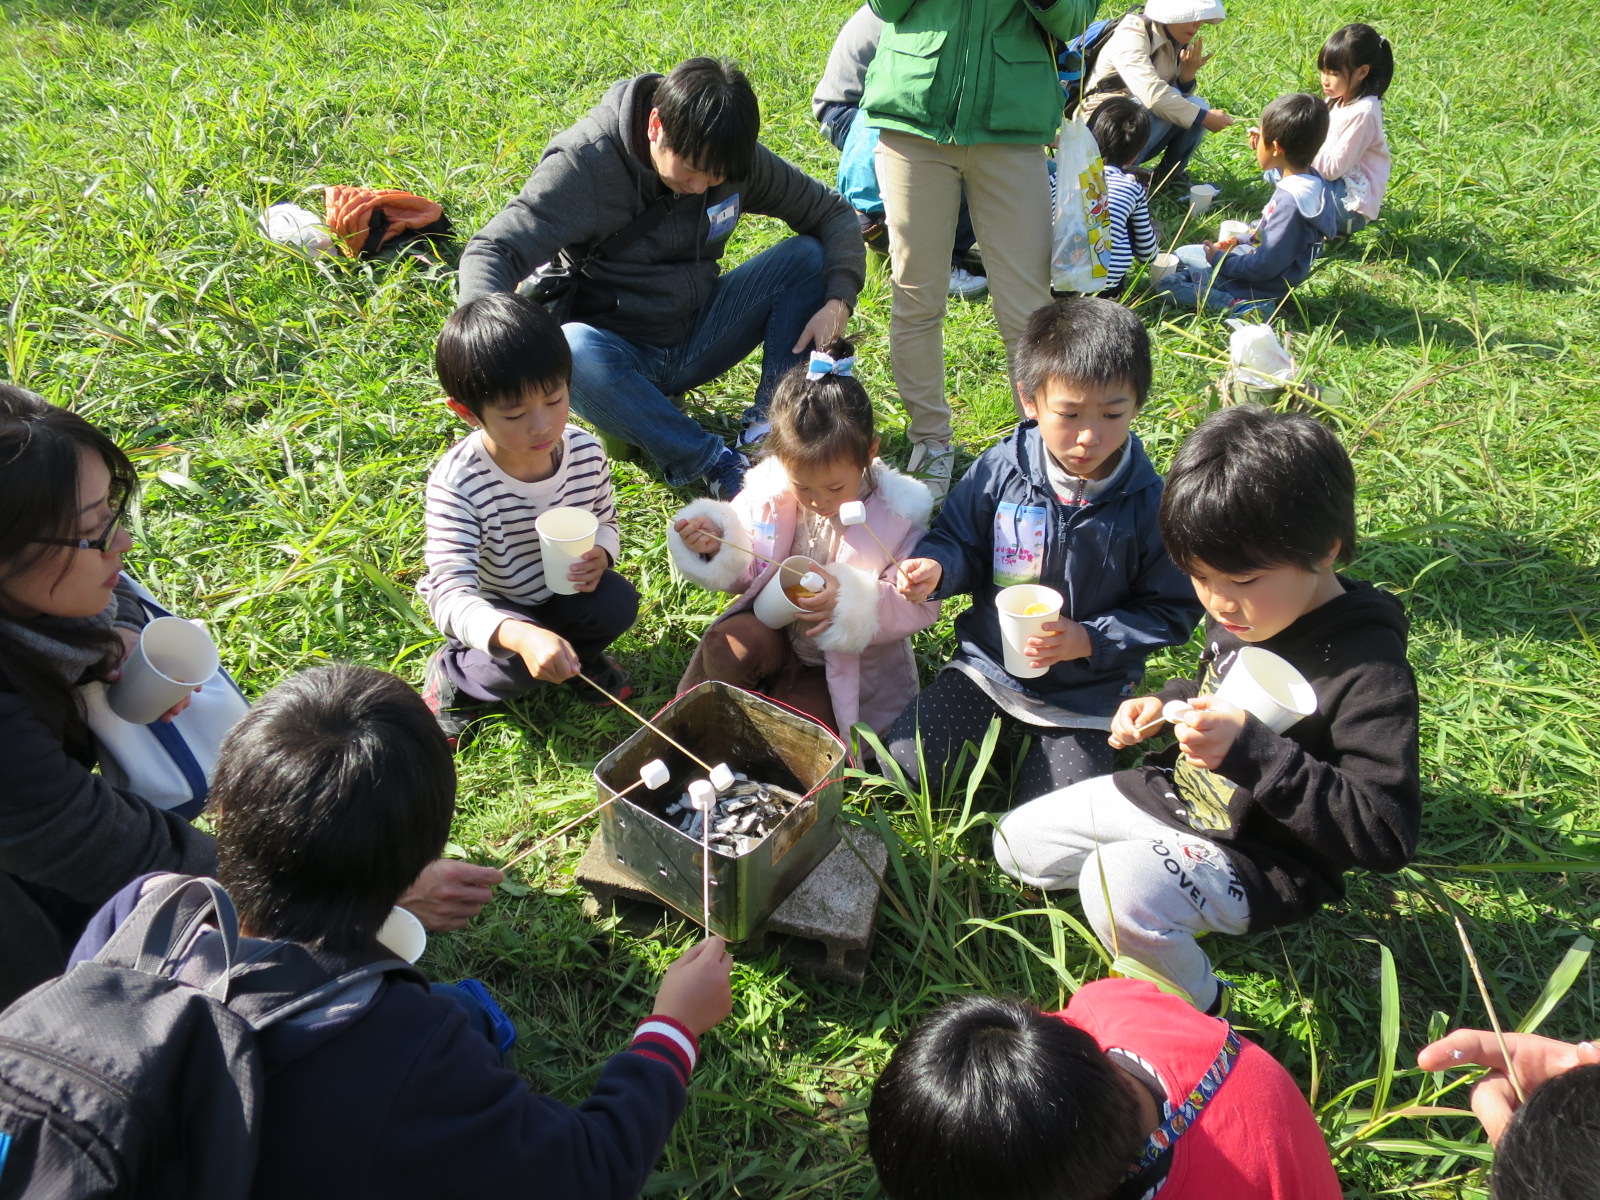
x,y
1298,219
393,1094
1002,525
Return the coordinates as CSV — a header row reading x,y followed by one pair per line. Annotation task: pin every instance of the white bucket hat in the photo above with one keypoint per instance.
x,y
1178,12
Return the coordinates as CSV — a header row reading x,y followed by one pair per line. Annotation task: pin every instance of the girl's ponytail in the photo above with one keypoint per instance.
x,y
820,413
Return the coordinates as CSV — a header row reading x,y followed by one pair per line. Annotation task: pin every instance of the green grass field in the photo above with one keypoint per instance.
x,y
284,416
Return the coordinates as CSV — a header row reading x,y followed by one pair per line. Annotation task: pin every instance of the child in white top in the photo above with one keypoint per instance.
x,y
1356,65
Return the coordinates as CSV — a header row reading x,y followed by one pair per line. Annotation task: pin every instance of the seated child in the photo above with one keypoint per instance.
x,y
1356,65
1238,828
330,796
505,366
1121,126
848,656
1298,219
1129,1093
1069,501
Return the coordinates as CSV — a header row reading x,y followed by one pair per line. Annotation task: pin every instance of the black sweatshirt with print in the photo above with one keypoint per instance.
x,y
1340,789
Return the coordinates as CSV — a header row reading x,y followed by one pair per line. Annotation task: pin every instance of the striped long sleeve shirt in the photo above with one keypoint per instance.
x,y
482,548
1131,232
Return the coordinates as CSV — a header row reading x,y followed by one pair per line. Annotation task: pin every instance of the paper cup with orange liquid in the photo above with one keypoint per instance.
x,y
797,578
1024,611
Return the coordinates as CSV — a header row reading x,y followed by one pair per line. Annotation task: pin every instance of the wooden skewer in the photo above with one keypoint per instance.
x,y
650,725
570,825
705,850
736,546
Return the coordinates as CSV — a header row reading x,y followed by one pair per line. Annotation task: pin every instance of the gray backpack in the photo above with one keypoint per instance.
x,y
136,1074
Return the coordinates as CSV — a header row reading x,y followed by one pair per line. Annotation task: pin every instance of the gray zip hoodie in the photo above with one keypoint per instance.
x,y
597,176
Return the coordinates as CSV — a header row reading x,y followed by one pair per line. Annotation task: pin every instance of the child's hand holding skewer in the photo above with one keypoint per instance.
x,y
1135,720
919,577
699,534
695,991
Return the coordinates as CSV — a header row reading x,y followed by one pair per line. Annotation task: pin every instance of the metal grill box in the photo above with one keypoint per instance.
x,y
771,745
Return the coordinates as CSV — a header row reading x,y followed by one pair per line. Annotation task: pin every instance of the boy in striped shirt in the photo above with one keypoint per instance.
x,y
505,366
1121,126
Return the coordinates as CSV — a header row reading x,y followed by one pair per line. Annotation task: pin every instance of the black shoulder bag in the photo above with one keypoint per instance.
x,y
563,286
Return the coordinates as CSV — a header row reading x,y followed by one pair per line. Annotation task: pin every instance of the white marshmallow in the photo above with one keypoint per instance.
x,y
813,581
1178,712
853,512
654,774
722,777
702,795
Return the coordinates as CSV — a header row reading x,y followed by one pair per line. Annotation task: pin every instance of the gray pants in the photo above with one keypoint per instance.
x,y
1148,889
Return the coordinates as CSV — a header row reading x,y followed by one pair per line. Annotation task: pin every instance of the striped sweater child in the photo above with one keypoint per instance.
x,y
482,546
1132,235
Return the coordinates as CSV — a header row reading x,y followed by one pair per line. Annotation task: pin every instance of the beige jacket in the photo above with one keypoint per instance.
x,y
1147,59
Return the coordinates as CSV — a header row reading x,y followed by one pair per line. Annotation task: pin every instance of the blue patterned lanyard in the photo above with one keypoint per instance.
x,y
1186,1114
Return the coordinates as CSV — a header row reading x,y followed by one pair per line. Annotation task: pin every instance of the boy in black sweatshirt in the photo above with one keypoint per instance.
x,y
1239,829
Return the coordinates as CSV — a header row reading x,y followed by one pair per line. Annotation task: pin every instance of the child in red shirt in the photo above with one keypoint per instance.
x,y
1128,1094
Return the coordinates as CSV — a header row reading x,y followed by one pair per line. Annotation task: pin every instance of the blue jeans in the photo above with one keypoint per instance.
x,y
621,386
1178,144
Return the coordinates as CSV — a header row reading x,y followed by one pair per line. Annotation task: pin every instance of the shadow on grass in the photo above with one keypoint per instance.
x,y
1454,246
235,15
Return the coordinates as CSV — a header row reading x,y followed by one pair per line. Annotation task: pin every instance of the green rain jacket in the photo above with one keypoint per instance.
x,y
971,71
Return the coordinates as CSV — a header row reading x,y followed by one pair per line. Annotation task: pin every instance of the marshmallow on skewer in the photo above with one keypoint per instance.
x,y
654,774
853,512
813,581
721,777
702,795
1178,712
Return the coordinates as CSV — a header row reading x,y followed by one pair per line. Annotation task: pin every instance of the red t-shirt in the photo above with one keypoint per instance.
x,y
1255,1140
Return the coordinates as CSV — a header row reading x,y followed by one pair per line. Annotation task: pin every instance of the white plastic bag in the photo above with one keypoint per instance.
x,y
297,227
1081,247
1257,357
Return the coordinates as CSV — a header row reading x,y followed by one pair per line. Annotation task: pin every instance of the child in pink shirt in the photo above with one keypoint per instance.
x,y
1356,65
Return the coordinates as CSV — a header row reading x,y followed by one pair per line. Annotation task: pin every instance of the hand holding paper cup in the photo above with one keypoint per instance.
x,y
565,536
796,575
1268,688
1024,610
1240,231
171,658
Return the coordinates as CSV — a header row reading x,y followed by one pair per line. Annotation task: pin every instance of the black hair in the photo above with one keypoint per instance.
x,y
1084,342
41,445
1551,1149
1252,489
821,421
1298,122
991,1097
495,349
1356,46
333,792
710,116
1121,127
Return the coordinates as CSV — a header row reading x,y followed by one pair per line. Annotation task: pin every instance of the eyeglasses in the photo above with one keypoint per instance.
x,y
99,544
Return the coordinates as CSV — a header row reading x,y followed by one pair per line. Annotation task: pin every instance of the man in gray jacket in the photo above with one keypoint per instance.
x,y
669,164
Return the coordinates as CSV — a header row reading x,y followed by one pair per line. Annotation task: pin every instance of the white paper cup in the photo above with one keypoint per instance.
x,y
1236,229
1268,688
404,935
1162,265
171,658
1016,629
1200,197
774,609
1193,256
565,536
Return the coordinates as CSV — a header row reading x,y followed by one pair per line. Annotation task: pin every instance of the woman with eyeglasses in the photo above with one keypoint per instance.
x,y
69,841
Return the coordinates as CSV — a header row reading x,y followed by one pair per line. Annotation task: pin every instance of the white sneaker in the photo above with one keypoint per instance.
x,y
964,285
753,433
933,463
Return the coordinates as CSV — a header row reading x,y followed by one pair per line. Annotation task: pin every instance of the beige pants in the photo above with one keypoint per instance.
x,y
1008,193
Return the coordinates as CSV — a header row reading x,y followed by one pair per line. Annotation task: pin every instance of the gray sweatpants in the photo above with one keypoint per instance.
x,y
1147,888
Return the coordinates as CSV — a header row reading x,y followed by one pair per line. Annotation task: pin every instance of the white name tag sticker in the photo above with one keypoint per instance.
x,y
721,218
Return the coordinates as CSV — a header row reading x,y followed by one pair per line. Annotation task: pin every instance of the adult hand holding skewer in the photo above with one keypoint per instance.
x,y
1533,1061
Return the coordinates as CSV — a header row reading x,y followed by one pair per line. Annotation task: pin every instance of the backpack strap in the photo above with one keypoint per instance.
x,y
164,923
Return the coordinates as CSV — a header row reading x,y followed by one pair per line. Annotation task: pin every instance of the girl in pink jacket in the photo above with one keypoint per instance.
x,y
847,657
1356,65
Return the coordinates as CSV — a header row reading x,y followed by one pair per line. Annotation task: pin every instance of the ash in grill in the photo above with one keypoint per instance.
x,y
742,817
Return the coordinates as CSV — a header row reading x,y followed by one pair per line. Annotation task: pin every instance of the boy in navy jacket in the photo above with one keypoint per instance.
x,y
330,792
1301,215
1068,501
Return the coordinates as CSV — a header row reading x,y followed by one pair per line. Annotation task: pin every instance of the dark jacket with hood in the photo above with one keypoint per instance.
x,y
1002,524
596,177
1299,218
68,841
1295,811
389,1092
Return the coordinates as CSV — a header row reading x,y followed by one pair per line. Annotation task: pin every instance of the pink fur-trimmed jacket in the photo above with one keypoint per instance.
x,y
866,647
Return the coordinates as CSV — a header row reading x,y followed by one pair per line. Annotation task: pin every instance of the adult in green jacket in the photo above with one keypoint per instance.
x,y
964,92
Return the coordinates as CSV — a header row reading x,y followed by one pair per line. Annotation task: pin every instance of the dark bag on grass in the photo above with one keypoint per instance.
x,y
563,286
136,1074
